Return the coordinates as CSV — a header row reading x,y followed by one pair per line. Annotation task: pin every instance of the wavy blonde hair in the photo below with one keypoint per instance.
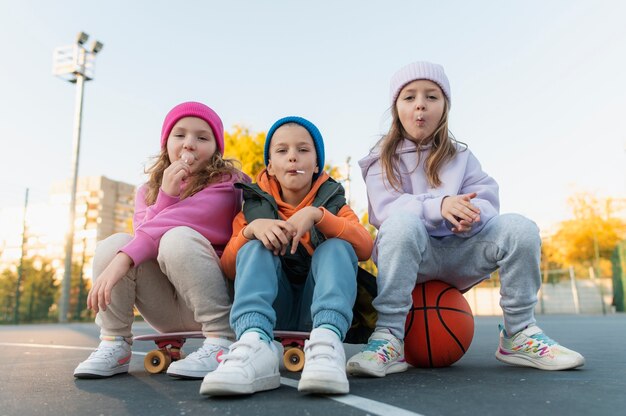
x,y
443,149
216,170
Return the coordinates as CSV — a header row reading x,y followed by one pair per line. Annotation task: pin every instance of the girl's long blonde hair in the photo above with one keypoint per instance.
x,y
443,149
217,169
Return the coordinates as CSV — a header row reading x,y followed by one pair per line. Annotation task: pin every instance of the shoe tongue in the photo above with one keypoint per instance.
x,y
217,342
386,336
110,344
250,336
532,330
245,342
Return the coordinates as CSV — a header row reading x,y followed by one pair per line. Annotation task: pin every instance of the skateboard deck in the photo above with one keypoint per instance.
x,y
169,348
169,335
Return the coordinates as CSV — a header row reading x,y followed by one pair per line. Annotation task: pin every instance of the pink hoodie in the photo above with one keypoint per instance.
x,y
461,175
210,212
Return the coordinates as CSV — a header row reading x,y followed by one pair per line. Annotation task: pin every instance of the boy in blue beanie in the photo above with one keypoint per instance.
x,y
293,256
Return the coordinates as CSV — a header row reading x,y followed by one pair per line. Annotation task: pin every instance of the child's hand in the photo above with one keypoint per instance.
x,y
173,176
461,213
303,220
274,234
100,294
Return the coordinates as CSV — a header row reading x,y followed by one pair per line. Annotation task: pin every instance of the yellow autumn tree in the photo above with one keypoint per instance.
x,y
587,240
369,264
334,172
247,148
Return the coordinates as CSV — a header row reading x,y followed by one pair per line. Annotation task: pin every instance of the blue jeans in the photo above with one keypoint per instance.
x,y
266,299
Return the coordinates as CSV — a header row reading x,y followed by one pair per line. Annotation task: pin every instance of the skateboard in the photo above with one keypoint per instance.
x,y
169,347
293,343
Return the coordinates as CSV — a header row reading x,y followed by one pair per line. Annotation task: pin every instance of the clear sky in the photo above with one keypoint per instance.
x,y
538,87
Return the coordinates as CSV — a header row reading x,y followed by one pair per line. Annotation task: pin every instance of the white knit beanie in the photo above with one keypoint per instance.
x,y
415,71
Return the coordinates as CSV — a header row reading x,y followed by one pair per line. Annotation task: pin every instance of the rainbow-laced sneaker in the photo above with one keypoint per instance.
x,y
532,348
383,354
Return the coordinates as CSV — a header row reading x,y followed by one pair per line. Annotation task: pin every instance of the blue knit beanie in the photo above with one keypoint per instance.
x,y
313,131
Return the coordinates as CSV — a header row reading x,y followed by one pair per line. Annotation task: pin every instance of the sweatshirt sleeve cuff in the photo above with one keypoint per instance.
x,y
432,210
330,225
140,248
241,239
164,200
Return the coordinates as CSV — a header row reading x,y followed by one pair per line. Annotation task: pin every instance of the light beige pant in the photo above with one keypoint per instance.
x,y
182,290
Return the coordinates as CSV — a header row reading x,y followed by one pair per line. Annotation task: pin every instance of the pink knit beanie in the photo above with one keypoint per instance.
x,y
194,109
415,71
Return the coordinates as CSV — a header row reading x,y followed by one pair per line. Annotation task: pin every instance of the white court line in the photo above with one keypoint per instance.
x,y
57,347
367,405
52,346
370,406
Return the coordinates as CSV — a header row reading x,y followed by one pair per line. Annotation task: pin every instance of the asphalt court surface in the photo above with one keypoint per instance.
x,y
38,361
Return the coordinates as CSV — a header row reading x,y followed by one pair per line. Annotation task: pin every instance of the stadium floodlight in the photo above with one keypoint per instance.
x,y
81,38
74,63
96,46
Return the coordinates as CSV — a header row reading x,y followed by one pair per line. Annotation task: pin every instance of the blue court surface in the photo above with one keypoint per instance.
x,y
38,360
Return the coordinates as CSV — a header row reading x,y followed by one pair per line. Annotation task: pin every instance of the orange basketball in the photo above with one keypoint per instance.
x,y
439,327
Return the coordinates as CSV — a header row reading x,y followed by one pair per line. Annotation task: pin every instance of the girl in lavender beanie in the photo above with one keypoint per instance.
x,y
437,215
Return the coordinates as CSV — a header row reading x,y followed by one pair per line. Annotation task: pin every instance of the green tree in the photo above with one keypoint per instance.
x,y
8,280
38,292
79,289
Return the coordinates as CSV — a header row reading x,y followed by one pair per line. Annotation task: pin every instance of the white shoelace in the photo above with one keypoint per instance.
x,y
104,352
205,351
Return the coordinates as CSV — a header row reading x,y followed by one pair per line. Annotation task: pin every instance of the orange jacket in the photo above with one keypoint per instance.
x,y
344,225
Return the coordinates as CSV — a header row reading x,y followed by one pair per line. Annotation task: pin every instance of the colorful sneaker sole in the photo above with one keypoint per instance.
x,y
356,369
526,361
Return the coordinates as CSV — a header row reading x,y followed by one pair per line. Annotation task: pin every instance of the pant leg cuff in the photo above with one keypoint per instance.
x,y
253,320
333,318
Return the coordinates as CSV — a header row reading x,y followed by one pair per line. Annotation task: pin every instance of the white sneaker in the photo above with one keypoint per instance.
x,y
383,354
250,366
111,358
532,348
201,362
324,364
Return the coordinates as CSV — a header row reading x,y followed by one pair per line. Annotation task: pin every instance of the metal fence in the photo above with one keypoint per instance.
x,y
562,292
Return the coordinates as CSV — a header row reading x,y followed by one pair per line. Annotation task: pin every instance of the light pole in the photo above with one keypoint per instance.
x,y
74,63
20,269
347,182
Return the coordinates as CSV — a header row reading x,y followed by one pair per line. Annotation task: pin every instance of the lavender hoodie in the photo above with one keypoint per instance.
x,y
460,175
210,212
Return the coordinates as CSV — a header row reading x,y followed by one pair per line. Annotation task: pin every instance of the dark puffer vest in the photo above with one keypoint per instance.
x,y
260,204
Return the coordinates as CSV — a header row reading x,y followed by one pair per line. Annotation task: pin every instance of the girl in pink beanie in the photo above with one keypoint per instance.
x,y
170,268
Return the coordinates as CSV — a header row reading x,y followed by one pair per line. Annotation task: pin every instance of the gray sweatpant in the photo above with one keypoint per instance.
x,y
182,290
407,255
